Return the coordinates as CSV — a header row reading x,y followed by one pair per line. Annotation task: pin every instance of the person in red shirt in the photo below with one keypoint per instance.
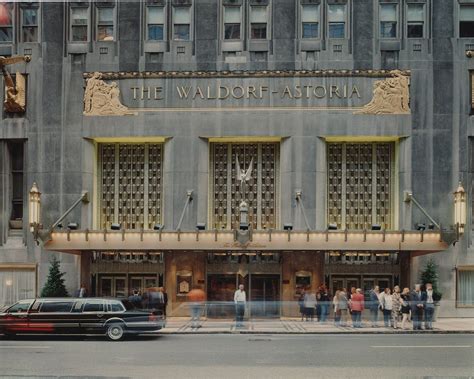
x,y
357,306
197,299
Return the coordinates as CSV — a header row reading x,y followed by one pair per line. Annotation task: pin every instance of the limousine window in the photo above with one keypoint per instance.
x,y
94,306
21,306
115,306
35,308
56,306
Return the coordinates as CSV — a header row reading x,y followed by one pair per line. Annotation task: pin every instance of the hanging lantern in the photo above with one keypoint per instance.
x,y
34,202
460,208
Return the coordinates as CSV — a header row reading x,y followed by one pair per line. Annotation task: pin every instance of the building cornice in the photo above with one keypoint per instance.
x,y
108,75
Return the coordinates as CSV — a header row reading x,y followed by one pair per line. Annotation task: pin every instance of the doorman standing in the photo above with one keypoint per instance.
x,y
240,299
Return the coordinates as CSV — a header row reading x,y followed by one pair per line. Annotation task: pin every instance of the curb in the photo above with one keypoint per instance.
x,y
321,333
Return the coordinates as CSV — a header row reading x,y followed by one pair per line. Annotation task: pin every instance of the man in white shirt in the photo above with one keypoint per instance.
x,y
429,307
240,299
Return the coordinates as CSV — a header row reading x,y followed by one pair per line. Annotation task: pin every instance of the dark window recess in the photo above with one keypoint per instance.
x,y
389,60
17,162
310,30
155,32
181,32
258,56
258,31
388,29
415,31
337,30
232,31
466,29
56,306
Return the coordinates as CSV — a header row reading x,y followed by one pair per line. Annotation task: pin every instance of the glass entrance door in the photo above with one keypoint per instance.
x,y
113,286
265,295
220,295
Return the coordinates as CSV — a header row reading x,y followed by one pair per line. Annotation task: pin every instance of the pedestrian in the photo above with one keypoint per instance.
x,y
396,306
136,299
387,306
357,306
310,305
337,312
301,303
165,300
324,300
196,298
374,303
82,291
343,307
417,302
429,307
353,292
155,299
405,305
240,300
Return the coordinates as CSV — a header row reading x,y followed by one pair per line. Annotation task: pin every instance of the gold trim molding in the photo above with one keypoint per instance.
x,y
243,74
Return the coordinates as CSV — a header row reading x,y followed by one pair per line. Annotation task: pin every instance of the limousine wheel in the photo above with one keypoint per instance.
x,y
115,332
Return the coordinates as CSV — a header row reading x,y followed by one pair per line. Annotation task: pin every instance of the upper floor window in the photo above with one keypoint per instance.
x,y
79,24
155,23
29,24
258,22
6,22
466,21
310,17
232,22
105,24
415,20
182,23
337,20
388,20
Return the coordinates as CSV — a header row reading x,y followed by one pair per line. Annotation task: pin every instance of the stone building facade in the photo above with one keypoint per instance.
x,y
319,115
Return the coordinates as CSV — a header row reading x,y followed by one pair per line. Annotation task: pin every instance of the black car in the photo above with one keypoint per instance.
x,y
112,317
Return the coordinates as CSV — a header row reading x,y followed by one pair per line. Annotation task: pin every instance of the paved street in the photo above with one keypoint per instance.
x,y
242,356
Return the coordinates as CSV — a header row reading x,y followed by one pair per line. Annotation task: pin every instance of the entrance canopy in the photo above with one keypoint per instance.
x,y
274,240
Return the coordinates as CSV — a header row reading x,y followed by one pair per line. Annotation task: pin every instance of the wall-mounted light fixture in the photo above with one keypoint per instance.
x,y
460,208
34,207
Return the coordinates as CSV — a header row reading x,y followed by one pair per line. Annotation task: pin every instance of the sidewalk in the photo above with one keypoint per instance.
x,y
182,325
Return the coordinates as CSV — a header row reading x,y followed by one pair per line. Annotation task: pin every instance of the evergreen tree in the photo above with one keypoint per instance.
x,y
54,286
430,275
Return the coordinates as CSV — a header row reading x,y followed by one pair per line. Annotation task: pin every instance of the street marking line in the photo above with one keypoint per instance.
x,y
424,346
25,347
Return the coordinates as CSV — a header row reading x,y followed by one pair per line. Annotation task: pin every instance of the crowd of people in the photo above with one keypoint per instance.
x,y
398,307
153,298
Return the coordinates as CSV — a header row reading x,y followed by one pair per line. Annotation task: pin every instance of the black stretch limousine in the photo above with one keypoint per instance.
x,y
112,317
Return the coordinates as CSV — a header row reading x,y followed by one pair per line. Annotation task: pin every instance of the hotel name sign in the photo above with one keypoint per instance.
x,y
366,92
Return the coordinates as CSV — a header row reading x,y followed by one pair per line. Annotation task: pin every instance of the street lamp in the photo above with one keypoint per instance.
x,y
460,208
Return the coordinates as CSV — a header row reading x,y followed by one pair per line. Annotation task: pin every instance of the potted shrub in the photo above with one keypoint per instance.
x,y
430,275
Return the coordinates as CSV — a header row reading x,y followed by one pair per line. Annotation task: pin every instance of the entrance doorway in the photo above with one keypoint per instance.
x,y
263,294
113,286
366,283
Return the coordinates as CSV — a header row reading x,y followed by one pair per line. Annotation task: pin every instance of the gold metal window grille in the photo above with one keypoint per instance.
x,y
360,185
130,185
260,192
